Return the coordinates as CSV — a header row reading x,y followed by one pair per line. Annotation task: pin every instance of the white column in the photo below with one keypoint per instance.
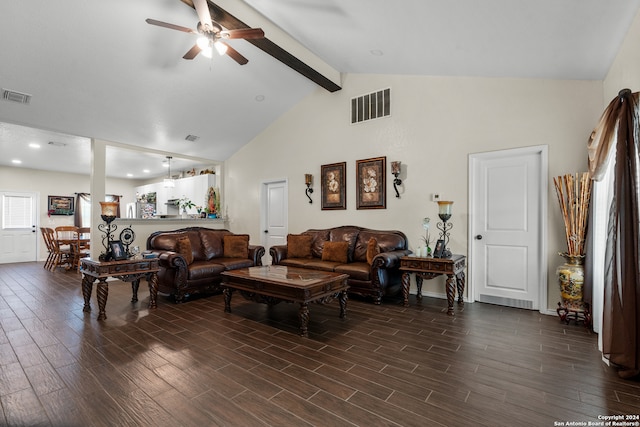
x,y
97,187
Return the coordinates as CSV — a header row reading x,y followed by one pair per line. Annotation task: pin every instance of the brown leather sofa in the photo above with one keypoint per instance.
x,y
192,259
378,278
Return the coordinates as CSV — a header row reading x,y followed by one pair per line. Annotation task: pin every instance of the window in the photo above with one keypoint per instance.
x,y
17,211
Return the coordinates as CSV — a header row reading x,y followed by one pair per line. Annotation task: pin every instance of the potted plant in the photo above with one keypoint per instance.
x,y
185,203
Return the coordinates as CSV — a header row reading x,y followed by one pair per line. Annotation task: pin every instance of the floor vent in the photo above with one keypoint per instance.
x,y
509,302
13,96
371,106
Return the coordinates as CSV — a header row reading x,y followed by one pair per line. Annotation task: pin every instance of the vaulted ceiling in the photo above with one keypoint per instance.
x,y
96,69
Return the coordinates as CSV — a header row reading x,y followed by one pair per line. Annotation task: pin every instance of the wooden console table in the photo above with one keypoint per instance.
x,y
128,270
428,268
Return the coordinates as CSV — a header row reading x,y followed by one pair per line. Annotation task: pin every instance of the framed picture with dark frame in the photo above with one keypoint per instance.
x,y
439,249
117,250
334,189
60,205
371,183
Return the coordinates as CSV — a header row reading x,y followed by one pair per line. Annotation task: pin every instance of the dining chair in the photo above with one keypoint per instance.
x,y
48,234
67,241
84,244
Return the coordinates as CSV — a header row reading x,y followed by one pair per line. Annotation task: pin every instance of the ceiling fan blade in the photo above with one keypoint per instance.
x,y
203,13
170,26
244,33
193,52
234,54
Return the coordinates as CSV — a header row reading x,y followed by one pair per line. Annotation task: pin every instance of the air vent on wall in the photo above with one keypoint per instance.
x,y
371,106
13,96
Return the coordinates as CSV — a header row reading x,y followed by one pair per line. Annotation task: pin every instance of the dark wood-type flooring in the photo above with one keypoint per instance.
x,y
194,365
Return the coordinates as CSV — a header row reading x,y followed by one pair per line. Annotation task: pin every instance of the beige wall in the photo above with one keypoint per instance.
x,y
57,184
625,71
436,123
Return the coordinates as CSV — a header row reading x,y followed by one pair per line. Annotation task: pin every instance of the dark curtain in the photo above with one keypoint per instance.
x,y
77,218
617,134
86,197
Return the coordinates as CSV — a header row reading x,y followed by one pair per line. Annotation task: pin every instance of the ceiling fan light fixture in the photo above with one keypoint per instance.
x,y
220,47
202,42
207,52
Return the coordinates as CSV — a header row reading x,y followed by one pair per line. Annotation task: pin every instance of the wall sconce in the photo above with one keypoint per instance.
x,y
444,212
395,171
109,211
308,180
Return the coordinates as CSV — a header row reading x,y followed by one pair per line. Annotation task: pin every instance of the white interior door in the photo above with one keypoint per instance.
x,y
18,230
275,215
508,204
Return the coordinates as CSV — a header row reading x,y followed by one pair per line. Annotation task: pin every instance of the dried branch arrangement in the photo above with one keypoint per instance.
x,y
574,193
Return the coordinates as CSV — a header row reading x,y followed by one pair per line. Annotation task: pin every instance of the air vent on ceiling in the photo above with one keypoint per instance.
x,y
13,96
192,138
371,106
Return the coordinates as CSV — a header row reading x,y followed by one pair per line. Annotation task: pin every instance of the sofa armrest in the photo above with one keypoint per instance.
x,y
278,253
389,259
170,259
256,253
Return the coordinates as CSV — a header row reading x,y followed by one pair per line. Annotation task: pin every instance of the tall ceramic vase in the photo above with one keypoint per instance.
x,y
571,280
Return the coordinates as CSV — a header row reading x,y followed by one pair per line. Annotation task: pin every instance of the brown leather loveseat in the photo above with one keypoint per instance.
x,y
192,259
371,258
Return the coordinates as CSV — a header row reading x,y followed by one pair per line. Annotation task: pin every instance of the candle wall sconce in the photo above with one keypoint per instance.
x,y
444,212
109,213
308,180
395,171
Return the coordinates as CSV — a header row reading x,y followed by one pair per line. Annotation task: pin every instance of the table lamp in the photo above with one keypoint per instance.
x,y
444,212
108,214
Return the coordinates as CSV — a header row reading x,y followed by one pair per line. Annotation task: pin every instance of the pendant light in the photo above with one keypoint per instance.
x,y
169,182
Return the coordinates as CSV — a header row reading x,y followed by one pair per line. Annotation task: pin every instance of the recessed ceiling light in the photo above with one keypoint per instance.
x,y
146,171
376,52
259,98
34,145
16,161
129,175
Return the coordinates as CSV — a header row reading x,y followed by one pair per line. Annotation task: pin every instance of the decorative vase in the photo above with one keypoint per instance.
x,y
184,214
571,281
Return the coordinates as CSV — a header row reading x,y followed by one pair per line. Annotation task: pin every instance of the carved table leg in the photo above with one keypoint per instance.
x,y
304,319
134,290
87,288
406,281
102,292
451,284
460,279
419,279
227,299
342,298
153,290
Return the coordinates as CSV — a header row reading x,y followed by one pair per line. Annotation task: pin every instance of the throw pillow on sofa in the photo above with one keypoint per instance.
x,y
236,246
299,245
373,249
335,251
183,247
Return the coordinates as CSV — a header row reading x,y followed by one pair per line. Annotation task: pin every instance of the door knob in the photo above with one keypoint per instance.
x,y
479,237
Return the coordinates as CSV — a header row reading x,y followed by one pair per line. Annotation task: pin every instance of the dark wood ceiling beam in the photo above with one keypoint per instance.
x,y
230,22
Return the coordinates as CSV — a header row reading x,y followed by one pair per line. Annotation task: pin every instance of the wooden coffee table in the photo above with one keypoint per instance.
x,y
271,284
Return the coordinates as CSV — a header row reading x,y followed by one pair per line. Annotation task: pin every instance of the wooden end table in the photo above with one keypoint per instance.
x,y
128,270
271,284
428,268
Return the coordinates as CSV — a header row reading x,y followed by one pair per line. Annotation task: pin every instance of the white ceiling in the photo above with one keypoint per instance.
x,y
96,69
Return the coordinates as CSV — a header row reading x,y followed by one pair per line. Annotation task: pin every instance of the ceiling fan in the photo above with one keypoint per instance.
x,y
212,35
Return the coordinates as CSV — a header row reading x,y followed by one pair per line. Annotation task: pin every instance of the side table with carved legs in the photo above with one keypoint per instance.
x,y
130,270
428,268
